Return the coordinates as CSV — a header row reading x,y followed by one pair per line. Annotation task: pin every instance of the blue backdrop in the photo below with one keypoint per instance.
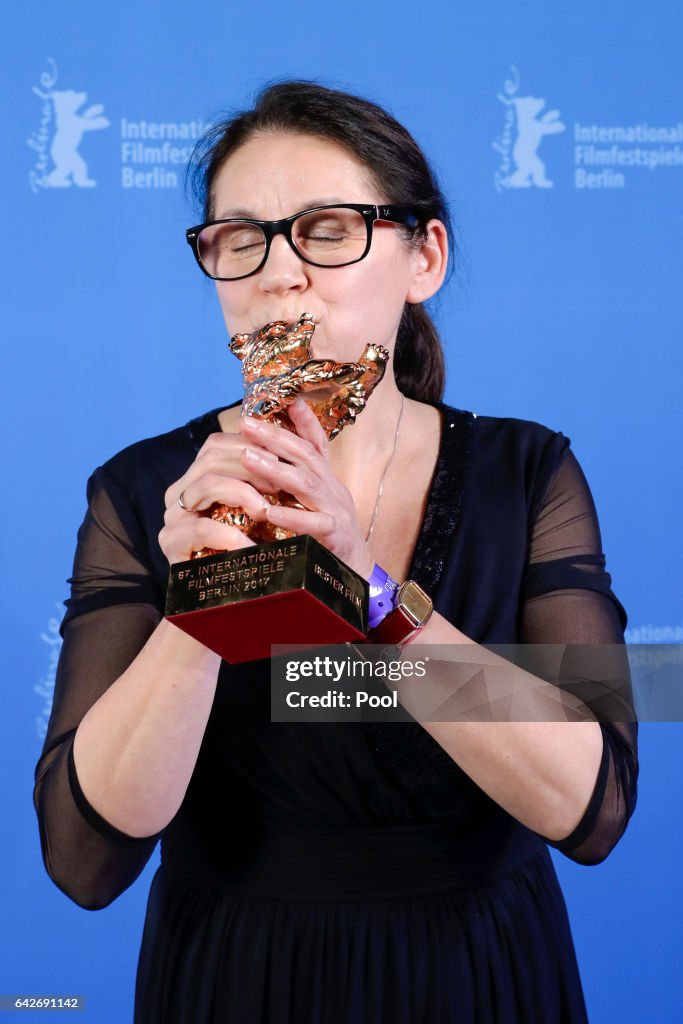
x,y
557,131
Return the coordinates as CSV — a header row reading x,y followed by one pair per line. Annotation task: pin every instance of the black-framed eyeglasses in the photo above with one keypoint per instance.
x,y
326,236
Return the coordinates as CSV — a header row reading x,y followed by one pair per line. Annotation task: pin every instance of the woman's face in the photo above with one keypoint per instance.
x,y
276,175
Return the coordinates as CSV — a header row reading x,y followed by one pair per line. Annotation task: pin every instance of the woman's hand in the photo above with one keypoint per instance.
x,y
330,513
218,474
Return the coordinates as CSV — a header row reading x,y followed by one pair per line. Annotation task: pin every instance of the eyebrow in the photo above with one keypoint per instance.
x,y
243,212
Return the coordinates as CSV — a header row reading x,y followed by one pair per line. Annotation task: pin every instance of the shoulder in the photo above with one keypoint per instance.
x,y
507,434
515,431
153,463
513,454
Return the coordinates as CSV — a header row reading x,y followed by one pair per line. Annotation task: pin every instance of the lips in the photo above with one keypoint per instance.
x,y
288,319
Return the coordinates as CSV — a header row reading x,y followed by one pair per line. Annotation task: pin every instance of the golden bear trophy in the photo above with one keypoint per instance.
x,y
286,589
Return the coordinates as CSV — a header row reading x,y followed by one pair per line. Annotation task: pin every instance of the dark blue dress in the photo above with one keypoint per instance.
x,y
345,873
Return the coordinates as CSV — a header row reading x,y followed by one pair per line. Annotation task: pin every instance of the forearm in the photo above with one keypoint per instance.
x,y
541,771
136,748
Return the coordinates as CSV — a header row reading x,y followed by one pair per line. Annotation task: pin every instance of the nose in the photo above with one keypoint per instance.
x,y
283,270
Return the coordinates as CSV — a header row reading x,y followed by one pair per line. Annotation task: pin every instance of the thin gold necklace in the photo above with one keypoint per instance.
x,y
386,468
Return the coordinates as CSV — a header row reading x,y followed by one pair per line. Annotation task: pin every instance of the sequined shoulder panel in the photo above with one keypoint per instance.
x,y
445,498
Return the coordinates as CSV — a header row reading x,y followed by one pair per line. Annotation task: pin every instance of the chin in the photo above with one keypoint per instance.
x,y
338,357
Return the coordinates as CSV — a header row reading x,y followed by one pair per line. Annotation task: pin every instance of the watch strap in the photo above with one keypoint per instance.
x,y
395,628
383,594
411,614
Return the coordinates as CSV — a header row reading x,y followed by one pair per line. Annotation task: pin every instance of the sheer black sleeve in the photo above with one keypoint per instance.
x,y
115,605
567,599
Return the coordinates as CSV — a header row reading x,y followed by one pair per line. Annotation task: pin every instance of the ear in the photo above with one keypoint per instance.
x,y
431,261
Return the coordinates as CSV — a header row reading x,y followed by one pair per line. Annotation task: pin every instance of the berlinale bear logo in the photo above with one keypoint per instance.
x,y
522,112
62,126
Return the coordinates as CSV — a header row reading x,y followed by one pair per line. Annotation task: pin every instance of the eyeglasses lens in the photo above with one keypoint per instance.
x,y
328,238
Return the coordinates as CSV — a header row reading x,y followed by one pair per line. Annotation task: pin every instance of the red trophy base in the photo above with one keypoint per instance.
x,y
292,592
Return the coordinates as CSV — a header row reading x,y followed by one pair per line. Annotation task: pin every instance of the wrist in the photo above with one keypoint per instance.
x,y
383,591
406,620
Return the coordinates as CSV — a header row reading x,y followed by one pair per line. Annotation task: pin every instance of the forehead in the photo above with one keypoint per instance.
x,y
275,175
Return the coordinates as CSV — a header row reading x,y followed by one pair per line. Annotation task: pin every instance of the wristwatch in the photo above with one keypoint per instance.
x,y
411,614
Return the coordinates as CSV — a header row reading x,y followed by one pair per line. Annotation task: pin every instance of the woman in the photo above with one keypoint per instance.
x,y
359,872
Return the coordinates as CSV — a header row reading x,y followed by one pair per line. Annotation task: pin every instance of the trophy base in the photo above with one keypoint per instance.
x,y
292,592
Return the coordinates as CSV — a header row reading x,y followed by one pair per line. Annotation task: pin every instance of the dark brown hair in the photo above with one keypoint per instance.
x,y
395,162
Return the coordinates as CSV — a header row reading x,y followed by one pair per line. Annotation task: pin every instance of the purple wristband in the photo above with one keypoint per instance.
x,y
383,591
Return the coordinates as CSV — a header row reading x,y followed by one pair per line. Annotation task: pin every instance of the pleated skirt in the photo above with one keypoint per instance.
x,y
402,925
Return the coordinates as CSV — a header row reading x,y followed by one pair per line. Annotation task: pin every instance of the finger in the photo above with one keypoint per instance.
x,y
209,488
256,464
216,463
308,425
209,456
317,524
220,445
180,541
304,483
232,465
225,443
282,443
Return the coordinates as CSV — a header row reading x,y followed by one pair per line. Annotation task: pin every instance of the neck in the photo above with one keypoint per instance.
x,y
372,435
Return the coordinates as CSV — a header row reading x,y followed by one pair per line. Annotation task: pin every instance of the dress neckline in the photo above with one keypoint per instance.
x,y
444,497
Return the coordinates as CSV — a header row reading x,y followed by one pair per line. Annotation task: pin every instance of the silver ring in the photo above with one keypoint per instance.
x,y
182,503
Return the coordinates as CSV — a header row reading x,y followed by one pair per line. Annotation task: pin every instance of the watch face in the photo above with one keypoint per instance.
x,y
413,600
